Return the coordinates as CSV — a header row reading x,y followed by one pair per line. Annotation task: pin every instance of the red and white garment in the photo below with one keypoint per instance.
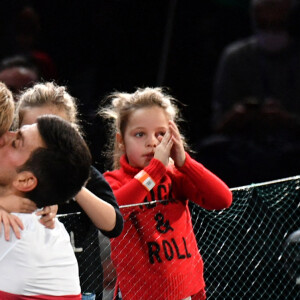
x,y
40,265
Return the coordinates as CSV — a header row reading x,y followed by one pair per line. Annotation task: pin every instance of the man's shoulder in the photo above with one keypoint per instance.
x,y
32,224
27,219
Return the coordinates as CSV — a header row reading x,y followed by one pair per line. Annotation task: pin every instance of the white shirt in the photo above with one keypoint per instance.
x,y
42,262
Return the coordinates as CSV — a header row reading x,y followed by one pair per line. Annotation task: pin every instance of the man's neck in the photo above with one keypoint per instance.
x,y
4,191
9,190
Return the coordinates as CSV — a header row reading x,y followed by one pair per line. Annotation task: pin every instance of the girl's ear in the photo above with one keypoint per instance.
x,y
25,181
120,141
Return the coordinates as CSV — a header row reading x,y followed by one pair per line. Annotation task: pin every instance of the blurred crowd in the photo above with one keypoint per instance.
x,y
240,94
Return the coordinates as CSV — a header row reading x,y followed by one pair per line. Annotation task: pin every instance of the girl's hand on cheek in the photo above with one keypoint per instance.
x,y
177,151
162,151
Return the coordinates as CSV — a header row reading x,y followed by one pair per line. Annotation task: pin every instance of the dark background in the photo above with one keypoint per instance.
x,y
102,46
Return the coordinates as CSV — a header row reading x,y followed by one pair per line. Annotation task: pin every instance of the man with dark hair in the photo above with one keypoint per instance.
x,y
47,162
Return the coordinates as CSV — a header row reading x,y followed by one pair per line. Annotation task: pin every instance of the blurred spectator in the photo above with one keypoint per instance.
x,y
263,66
17,73
256,143
256,105
27,31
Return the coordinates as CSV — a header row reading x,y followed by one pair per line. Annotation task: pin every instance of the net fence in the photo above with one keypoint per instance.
x,y
250,250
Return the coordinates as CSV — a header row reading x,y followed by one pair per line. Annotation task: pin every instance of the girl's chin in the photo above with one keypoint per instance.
x,y
142,164
147,161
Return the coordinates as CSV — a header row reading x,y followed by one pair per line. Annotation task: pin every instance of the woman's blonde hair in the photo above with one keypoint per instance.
x,y
47,94
120,107
7,107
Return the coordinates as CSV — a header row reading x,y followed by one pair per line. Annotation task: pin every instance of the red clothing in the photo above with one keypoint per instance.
x,y
156,256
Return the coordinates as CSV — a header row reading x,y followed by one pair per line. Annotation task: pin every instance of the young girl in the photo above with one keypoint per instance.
x,y
156,256
96,202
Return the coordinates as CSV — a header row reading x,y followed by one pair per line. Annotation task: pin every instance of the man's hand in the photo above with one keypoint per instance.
x,y
13,203
48,215
10,221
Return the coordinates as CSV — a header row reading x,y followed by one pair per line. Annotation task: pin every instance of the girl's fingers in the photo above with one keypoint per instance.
x,y
175,131
168,140
169,145
163,149
166,137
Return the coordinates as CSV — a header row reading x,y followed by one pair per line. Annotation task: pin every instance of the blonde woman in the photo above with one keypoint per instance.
x,y
6,108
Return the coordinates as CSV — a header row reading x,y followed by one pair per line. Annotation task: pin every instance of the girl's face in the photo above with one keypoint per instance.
x,y
31,114
142,133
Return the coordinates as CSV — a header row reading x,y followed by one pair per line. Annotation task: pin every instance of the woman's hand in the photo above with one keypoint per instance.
x,y
177,151
13,203
10,221
48,214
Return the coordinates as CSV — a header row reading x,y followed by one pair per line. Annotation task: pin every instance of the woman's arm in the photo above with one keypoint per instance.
x,y
13,203
101,213
101,206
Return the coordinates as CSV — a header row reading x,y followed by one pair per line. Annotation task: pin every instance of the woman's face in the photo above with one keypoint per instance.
x,y
31,114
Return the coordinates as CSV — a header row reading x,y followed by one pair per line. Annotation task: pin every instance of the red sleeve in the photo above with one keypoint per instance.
x,y
203,187
130,190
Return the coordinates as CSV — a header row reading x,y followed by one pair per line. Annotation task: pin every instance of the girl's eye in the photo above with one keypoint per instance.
x,y
139,134
161,133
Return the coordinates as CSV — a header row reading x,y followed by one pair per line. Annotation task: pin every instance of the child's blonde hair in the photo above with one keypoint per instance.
x,y
123,104
47,94
7,107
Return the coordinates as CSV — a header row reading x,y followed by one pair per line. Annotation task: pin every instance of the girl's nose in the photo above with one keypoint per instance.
x,y
152,141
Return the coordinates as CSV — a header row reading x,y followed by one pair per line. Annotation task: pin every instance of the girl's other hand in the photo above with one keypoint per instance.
x,y
10,221
162,151
48,214
177,151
